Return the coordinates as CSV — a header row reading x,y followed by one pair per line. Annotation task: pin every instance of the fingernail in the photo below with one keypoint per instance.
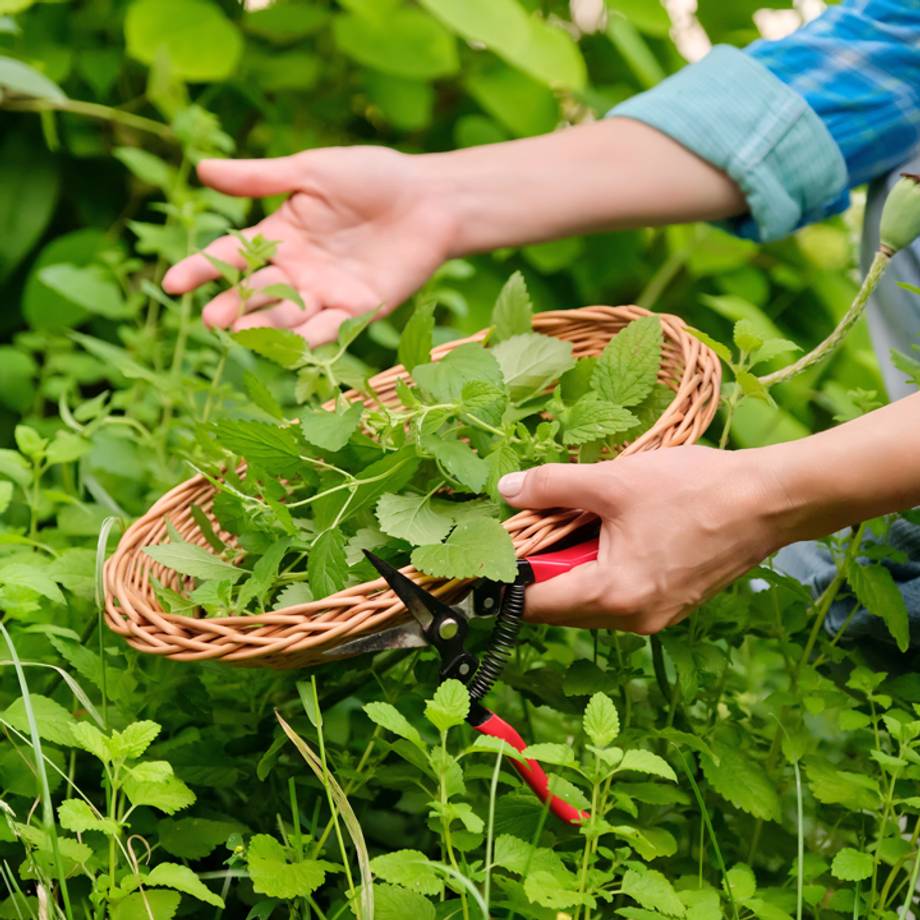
x,y
511,484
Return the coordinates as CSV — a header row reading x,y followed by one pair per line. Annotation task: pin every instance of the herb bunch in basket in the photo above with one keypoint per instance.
x,y
298,500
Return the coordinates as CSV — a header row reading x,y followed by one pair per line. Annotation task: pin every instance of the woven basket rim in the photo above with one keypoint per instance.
x,y
302,632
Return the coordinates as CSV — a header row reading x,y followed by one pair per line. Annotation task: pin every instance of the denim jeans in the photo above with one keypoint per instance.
x,y
894,323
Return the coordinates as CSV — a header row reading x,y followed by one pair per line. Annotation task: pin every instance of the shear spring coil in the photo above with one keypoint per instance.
x,y
504,638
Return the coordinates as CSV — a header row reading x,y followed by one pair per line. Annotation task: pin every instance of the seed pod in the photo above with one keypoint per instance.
x,y
900,224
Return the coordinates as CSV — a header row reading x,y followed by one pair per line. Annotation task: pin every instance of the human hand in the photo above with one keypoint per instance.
x,y
361,230
677,525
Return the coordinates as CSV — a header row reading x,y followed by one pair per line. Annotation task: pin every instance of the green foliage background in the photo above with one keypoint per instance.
x,y
104,108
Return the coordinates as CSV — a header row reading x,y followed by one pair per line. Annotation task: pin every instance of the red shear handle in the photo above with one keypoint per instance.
x,y
531,772
549,565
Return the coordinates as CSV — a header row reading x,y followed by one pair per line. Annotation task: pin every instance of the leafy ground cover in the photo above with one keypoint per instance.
x,y
743,764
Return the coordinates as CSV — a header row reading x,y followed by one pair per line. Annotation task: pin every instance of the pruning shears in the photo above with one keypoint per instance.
x,y
445,627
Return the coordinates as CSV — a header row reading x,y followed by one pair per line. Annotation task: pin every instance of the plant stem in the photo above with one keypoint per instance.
x,y
825,348
92,110
731,404
912,884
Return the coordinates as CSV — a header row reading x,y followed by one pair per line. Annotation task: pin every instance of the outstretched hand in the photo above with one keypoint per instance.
x,y
677,525
361,230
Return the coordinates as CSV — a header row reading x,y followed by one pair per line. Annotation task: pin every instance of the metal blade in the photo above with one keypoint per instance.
x,y
425,607
406,636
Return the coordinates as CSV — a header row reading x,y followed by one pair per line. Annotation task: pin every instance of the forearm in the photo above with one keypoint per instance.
x,y
859,470
607,175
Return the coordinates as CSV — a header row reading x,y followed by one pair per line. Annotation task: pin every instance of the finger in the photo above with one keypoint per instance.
x,y
251,178
227,306
193,271
323,327
565,599
555,485
282,315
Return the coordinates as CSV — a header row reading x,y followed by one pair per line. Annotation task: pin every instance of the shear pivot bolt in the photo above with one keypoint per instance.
x,y
448,629
464,669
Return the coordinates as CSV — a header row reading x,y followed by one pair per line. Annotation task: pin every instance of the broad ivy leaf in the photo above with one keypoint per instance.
x,y
513,311
646,762
449,706
389,717
601,722
279,345
628,366
412,518
331,430
742,781
181,878
478,548
416,339
531,362
443,380
327,567
876,590
272,873
189,559
592,419
652,890
409,869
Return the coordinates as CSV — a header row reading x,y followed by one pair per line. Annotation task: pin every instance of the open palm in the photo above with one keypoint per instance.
x,y
359,232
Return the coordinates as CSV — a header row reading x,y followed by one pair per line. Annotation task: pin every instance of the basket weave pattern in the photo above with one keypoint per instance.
x,y
298,635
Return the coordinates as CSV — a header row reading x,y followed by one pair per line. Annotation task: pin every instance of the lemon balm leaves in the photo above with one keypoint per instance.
x,y
876,590
479,548
412,518
531,362
513,311
191,560
416,339
327,567
628,367
444,380
593,419
331,430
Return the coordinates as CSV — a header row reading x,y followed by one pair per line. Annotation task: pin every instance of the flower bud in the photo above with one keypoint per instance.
x,y
900,224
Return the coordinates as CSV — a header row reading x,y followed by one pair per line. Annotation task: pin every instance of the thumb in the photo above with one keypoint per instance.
x,y
251,178
554,485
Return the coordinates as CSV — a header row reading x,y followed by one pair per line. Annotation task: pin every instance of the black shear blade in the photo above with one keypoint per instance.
x,y
424,606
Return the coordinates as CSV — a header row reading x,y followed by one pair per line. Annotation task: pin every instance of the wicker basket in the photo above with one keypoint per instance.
x,y
296,636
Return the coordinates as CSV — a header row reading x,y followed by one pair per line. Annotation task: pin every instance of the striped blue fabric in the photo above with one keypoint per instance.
x,y
799,121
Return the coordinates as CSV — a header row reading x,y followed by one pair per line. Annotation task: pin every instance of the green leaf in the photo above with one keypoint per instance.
x,y
55,723
478,548
66,448
484,400
274,449
149,905
601,722
543,888
592,419
33,577
198,41
327,567
76,815
531,362
131,743
19,79
653,891
513,311
284,292
261,395
444,380
525,107
550,752
181,878
459,462
394,903
405,42
331,430
194,838
279,345
842,787
191,560
153,784
90,739
773,349
746,336
851,866
147,167
627,368
751,386
877,591
742,882
273,874
29,441
449,706
742,782
6,495
264,573
646,762
389,717
416,340
723,351
412,518
649,842
526,41
410,869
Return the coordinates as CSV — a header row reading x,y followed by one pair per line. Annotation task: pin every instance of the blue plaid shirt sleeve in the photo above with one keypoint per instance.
x,y
797,122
